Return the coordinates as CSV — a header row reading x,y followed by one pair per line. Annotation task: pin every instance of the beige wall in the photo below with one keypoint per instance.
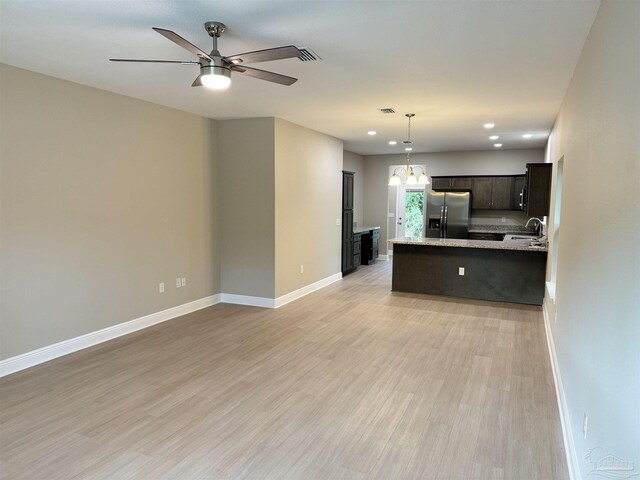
x,y
247,188
280,188
376,174
308,189
352,162
597,331
102,198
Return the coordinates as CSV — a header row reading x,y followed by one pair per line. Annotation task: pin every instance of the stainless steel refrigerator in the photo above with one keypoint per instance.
x,y
448,214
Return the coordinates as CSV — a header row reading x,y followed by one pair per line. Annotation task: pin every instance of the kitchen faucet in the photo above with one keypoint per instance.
x,y
539,226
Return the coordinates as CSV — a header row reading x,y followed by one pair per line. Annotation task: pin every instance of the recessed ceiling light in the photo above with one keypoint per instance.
x,y
494,137
489,125
527,135
497,145
408,149
371,132
393,142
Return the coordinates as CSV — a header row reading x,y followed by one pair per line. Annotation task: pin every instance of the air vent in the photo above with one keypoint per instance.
x,y
387,110
308,55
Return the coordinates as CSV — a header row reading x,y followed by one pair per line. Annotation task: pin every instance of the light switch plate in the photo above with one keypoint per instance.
x,y
460,270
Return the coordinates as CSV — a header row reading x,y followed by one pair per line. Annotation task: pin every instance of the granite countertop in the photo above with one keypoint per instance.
x,y
364,229
506,229
462,243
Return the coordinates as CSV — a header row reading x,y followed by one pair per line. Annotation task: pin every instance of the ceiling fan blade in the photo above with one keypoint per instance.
x,y
153,61
187,45
264,75
197,82
266,55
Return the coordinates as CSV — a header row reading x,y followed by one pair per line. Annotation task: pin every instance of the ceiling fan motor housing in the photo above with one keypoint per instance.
x,y
215,70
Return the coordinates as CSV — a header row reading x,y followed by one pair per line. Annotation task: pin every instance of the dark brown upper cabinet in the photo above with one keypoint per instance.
x,y
538,190
492,193
347,190
451,183
517,197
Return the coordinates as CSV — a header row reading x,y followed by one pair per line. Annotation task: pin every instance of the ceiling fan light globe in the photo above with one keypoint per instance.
x,y
215,82
217,78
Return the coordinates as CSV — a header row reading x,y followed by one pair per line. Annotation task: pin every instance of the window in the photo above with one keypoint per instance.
x,y
556,221
414,213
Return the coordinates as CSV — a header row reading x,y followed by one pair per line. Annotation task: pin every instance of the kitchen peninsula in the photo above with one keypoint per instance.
x,y
504,271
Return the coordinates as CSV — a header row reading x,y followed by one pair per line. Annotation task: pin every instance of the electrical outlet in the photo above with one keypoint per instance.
x,y
161,287
585,424
184,281
178,282
301,268
337,222
504,219
460,270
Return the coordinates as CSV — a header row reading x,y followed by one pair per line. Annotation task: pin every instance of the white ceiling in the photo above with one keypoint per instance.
x,y
455,64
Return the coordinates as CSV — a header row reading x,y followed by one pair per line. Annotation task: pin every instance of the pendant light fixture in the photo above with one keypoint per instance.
x,y
409,176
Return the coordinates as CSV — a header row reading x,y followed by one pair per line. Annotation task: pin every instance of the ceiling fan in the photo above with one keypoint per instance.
x,y
215,70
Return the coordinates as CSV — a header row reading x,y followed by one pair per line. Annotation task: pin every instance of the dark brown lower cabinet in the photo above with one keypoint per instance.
x,y
370,246
357,249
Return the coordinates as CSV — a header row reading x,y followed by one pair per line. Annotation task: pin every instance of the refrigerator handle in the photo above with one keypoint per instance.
x,y
444,226
441,221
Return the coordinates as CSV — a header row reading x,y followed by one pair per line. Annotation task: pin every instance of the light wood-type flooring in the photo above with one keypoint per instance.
x,y
350,382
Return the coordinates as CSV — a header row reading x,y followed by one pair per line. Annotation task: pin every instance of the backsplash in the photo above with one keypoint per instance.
x,y
494,217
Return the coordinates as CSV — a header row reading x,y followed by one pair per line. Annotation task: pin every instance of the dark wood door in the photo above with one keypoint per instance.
x,y
482,192
347,190
461,183
347,223
443,183
501,193
538,189
347,240
518,187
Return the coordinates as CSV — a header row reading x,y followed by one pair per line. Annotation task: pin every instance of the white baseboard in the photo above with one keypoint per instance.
x,y
266,302
263,302
567,435
306,290
44,354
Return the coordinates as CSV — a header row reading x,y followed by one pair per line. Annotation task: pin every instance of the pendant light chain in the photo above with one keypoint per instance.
x,y
410,176
409,169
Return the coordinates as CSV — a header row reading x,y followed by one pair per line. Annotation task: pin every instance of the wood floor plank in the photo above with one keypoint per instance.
x,y
350,382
